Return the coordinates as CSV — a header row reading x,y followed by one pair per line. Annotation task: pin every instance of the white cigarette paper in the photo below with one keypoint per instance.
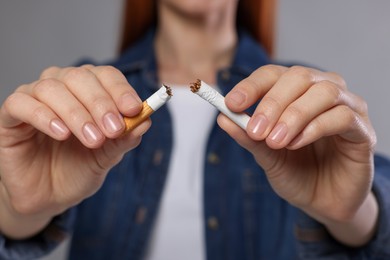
x,y
149,106
159,98
212,96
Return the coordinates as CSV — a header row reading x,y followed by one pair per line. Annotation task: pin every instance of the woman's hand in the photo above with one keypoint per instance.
x,y
314,140
59,136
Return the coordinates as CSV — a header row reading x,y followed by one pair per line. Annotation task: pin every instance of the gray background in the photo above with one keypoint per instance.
x,y
351,37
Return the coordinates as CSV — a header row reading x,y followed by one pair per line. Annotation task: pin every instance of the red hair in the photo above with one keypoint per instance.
x,y
257,16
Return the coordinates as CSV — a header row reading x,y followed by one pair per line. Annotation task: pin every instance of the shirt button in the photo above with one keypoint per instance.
x,y
213,158
212,223
225,75
140,215
157,157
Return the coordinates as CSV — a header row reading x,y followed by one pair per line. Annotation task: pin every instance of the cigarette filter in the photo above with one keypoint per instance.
x,y
149,106
212,96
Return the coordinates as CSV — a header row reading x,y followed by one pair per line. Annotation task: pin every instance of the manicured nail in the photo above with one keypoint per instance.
x,y
237,97
91,133
278,133
112,123
258,124
58,127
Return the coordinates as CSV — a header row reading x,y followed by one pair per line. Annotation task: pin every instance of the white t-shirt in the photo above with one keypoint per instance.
x,y
179,229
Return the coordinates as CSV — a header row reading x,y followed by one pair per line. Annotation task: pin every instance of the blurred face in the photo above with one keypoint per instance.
x,y
198,7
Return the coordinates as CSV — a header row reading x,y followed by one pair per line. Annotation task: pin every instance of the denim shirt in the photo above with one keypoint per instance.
x,y
244,218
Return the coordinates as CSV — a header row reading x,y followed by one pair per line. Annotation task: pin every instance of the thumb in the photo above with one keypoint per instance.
x,y
264,155
113,149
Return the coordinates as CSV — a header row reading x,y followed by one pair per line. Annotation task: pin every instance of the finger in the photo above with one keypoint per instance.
x,y
116,84
87,88
21,108
319,98
236,132
263,154
290,86
55,94
341,121
114,149
51,72
248,91
113,81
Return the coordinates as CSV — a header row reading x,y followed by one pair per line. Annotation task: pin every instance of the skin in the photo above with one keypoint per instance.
x,y
314,140
60,135
208,45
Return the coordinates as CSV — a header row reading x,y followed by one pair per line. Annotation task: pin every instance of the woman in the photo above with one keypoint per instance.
x,y
305,159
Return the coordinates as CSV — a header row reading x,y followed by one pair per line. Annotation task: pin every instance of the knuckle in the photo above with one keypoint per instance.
x,y
294,113
270,105
88,66
75,114
11,102
76,74
274,71
109,71
12,99
25,88
329,89
362,105
350,117
315,126
248,84
373,140
114,75
339,79
49,72
38,114
302,73
45,86
100,103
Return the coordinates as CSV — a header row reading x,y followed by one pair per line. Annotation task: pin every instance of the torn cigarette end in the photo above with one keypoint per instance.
x,y
149,106
212,96
195,86
168,90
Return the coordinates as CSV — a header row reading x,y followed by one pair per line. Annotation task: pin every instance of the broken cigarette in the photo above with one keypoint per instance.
x,y
150,105
212,96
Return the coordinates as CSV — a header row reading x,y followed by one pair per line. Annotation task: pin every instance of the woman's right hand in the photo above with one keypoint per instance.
x,y
59,136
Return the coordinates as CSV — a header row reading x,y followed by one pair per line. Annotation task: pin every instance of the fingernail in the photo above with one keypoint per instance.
x,y
278,133
258,124
112,123
58,127
91,133
237,97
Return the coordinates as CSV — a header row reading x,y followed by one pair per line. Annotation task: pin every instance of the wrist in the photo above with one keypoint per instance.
x,y
355,229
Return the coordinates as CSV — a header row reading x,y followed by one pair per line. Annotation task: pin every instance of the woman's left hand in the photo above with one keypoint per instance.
x,y
311,135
